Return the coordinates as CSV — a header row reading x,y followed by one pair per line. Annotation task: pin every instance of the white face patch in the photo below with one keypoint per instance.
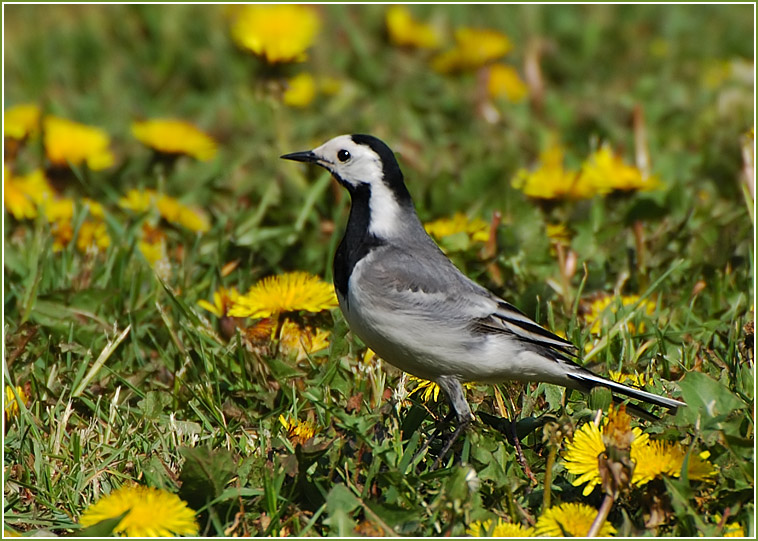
x,y
358,164
385,212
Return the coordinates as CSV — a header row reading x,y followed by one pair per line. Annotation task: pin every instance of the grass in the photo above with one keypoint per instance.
x,y
129,380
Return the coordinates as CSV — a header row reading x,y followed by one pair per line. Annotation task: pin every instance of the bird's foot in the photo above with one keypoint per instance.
x,y
437,431
450,441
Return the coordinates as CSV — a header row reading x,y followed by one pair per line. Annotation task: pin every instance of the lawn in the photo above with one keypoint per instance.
x,y
174,360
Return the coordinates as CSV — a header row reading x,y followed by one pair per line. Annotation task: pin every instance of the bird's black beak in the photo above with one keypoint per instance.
x,y
305,156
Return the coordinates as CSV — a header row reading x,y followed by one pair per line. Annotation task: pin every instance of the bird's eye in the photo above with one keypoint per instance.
x,y
343,155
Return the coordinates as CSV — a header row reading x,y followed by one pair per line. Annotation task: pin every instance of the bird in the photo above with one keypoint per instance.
x,y
415,309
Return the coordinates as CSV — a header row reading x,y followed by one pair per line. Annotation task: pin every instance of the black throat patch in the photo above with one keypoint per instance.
x,y
357,242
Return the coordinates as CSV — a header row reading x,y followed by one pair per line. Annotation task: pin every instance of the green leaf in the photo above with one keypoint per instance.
x,y
283,370
154,403
104,528
600,398
708,397
746,380
204,474
461,484
681,496
395,516
340,503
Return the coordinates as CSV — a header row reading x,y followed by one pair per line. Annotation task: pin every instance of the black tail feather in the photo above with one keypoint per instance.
x,y
591,380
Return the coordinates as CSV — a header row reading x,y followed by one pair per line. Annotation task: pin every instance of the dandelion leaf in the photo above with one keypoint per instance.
x,y
340,503
104,528
204,474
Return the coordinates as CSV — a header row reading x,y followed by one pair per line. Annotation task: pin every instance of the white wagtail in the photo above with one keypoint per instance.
x,y
408,302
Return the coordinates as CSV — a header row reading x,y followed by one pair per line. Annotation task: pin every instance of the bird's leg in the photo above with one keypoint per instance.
x,y
462,424
437,431
508,429
514,439
454,391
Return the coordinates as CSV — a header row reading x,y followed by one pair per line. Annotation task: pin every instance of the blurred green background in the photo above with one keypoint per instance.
x,y
688,71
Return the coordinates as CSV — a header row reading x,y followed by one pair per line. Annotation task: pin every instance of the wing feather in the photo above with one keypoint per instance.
x,y
508,319
433,283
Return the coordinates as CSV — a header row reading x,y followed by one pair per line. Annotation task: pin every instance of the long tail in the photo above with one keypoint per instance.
x,y
592,380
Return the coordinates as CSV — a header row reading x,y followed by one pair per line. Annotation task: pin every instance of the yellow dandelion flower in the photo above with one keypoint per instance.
x,y
660,458
477,229
69,142
95,209
550,180
93,235
640,380
151,513
11,402
298,431
193,219
425,388
59,210
59,213
581,456
303,341
63,234
652,458
285,293
277,33
570,519
138,200
168,207
732,529
172,136
600,174
558,234
22,194
405,31
428,389
153,251
606,171
474,48
480,46
178,213
18,203
485,528
21,121
699,467
301,90
505,82
153,244
223,300
36,186
599,313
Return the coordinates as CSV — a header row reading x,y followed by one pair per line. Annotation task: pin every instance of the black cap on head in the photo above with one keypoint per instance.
x,y
393,176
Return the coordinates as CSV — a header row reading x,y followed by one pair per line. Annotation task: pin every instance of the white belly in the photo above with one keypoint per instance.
x,y
429,348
